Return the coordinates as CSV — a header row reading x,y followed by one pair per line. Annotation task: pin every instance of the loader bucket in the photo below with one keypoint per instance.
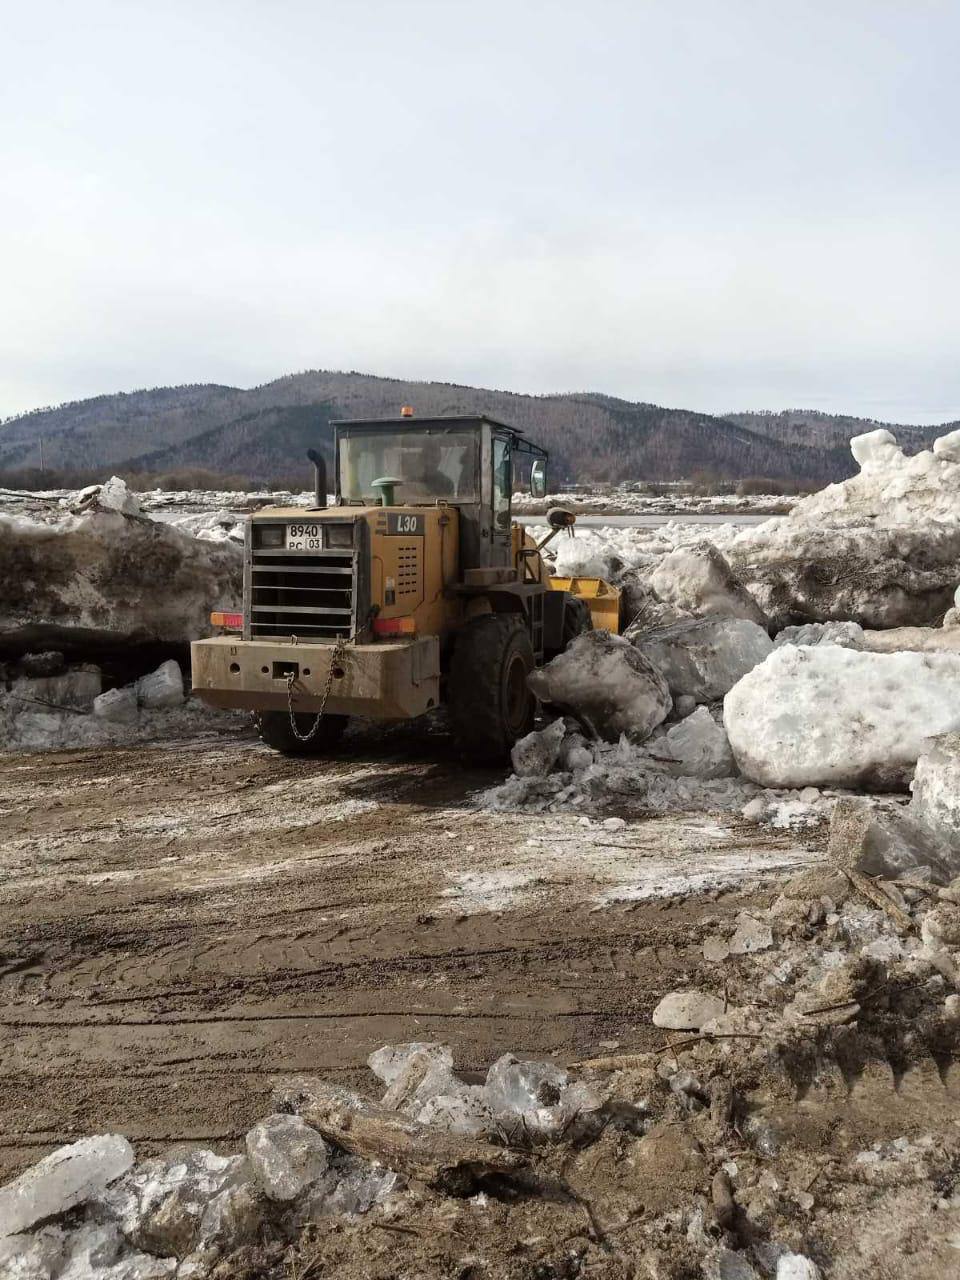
x,y
601,597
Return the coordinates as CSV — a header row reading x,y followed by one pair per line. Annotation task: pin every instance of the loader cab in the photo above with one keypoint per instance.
x,y
471,463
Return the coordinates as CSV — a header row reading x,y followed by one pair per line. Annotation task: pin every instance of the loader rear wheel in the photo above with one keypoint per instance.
x,y
490,704
274,729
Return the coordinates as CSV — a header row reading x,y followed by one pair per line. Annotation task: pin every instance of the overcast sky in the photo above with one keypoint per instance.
x,y
714,204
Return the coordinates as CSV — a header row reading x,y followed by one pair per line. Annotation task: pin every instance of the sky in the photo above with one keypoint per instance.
x,y
710,204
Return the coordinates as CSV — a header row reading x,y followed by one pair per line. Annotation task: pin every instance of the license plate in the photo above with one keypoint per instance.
x,y
304,537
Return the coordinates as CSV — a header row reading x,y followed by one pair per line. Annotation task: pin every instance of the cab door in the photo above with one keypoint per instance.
x,y
502,492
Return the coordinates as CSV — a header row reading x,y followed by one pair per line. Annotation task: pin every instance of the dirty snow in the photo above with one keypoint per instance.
x,y
104,577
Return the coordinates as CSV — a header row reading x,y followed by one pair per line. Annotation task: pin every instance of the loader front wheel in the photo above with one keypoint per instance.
x,y
275,730
577,619
490,703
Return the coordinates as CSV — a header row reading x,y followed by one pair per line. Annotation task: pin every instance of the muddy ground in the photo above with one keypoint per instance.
x,y
181,926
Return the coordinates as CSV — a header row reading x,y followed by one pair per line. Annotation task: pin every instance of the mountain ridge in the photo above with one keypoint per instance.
x,y
265,430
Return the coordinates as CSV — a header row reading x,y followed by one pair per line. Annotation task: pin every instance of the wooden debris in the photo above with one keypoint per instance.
x,y
875,893
443,1161
722,1102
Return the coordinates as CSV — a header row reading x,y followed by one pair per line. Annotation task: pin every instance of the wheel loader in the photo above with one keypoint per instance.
x,y
414,590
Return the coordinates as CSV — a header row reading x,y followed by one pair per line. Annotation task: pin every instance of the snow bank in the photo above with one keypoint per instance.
x,y
102,576
837,717
881,549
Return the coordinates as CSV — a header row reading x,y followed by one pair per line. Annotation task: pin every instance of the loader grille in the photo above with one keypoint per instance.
x,y
309,596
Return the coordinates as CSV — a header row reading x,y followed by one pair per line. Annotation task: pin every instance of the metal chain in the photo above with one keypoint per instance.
x,y
336,657
338,652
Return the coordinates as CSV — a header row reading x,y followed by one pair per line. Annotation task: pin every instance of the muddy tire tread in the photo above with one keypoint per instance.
x,y
475,686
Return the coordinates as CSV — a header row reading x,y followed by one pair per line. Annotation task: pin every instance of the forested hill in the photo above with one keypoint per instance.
x,y
831,430
264,432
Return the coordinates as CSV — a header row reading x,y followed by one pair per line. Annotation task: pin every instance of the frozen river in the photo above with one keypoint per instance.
x,y
653,521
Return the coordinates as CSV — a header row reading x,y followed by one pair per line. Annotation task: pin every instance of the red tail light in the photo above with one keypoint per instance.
x,y
229,621
394,627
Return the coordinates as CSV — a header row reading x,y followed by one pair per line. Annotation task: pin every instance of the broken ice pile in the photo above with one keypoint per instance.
x,y
830,704
525,1101
86,1212
50,704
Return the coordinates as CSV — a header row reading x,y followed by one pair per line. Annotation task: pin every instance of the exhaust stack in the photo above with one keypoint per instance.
x,y
319,479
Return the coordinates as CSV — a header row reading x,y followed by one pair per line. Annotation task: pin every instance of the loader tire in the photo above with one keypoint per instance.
x,y
489,701
577,619
274,729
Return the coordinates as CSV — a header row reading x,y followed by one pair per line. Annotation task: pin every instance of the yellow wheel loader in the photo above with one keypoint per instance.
x,y
415,590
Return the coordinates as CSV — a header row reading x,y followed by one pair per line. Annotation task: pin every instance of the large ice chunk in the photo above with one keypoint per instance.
x,y
115,495
60,1181
876,450
286,1155
699,747
117,705
537,1101
414,1073
603,679
467,1111
517,1085
849,635
642,608
163,687
687,1010
698,579
828,716
390,1060
37,1255
892,844
535,755
354,1187
947,448
936,788
97,1251
191,1201
705,657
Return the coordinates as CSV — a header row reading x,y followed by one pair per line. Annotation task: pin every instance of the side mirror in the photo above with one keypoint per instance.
x,y
538,479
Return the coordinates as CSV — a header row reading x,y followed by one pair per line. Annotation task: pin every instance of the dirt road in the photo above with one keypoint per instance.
x,y
182,926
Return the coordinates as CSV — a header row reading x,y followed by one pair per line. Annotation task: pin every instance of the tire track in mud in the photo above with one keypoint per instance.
x,y
159,981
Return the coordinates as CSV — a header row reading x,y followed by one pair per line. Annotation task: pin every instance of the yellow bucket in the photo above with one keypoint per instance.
x,y
602,598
